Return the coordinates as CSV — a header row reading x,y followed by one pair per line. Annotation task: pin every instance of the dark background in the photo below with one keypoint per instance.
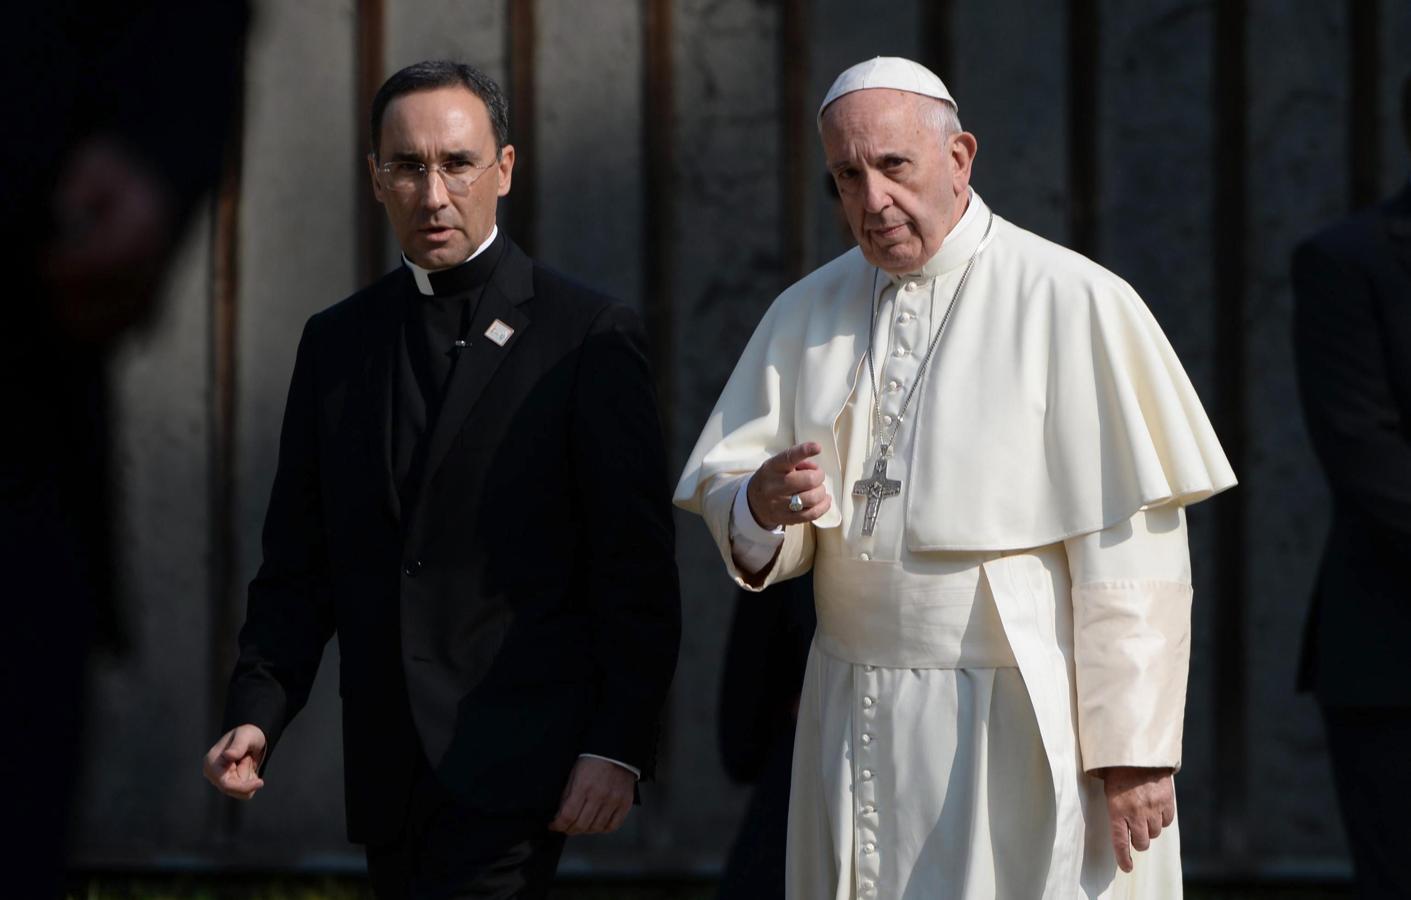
x,y
667,153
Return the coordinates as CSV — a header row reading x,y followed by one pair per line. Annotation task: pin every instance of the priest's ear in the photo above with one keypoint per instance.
x,y
377,190
961,149
504,169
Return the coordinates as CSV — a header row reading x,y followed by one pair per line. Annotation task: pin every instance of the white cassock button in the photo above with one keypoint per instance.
x,y
867,702
869,668
893,387
866,774
900,352
864,556
910,286
867,738
905,317
869,809
887,420
870,847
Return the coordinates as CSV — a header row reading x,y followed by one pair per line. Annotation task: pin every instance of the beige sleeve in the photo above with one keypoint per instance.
x,y
1131,639
795,555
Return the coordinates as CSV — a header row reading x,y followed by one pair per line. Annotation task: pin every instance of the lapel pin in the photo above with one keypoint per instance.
x,y
499,332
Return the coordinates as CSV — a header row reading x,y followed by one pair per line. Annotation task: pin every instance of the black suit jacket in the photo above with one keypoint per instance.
x,y
1352,289
528,610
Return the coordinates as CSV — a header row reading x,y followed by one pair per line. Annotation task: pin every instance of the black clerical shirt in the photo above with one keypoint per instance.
x,y
437,317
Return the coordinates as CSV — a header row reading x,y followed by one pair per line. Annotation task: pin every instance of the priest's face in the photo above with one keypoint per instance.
x,y
440,217
903,185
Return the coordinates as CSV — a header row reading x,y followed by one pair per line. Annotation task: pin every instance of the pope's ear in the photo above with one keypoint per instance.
x,y
963,148
372,173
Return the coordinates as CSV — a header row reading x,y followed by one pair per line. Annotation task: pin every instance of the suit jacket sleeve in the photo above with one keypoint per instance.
x,y
289,615
1131,639
631,590
1359,431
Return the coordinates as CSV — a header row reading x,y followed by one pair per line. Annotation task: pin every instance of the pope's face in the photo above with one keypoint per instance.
x,y
436,226
902,185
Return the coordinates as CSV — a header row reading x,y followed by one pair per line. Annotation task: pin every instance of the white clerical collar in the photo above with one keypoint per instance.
x,y
423,276
957,246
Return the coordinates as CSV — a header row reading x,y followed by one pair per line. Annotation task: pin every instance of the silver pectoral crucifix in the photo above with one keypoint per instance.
x,y
876,489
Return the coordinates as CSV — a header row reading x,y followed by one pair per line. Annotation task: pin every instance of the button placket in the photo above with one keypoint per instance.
x,y
866,832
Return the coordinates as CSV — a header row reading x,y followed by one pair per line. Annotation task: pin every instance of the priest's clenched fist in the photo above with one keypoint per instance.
x,y
788,488
233,764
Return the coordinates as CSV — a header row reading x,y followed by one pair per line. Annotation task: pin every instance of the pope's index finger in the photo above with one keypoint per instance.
x,y
786,461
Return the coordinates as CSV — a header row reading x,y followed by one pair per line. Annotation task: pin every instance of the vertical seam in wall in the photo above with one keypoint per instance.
x,y
369,65
522,199
793,66
658,130
938,40
1364,59
1231,215
1084,39
224,591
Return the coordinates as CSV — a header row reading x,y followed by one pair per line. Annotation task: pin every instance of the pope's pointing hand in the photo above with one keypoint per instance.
x,y
781,478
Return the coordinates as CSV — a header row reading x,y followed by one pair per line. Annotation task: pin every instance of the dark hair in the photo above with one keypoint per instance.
x,y
437,73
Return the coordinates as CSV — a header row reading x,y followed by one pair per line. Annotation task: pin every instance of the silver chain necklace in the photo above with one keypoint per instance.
x,y
879,487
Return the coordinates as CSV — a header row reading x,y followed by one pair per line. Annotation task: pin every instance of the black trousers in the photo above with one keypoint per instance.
x,y
1369,748
447,850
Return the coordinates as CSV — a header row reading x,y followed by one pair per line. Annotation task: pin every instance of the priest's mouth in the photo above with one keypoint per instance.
x,y
436,233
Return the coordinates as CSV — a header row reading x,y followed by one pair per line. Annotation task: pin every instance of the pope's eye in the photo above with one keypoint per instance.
x,y
403,169
457,166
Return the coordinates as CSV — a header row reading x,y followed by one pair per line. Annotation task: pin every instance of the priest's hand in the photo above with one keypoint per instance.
x,y
1140,802
596,799
233,764
779,479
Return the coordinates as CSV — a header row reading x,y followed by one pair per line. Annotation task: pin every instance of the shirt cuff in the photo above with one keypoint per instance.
x,y
636,772
751,544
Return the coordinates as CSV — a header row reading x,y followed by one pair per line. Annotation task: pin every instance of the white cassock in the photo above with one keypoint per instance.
x,y
1021,614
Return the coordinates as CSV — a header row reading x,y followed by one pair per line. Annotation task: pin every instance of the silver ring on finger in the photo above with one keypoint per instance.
x,y
795,503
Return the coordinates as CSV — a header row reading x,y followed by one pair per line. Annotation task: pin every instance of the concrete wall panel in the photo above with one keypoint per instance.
x,y
303,158
588,64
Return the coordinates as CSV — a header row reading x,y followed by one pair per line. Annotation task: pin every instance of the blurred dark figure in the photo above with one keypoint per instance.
x,y
1352,335
115,116
759,702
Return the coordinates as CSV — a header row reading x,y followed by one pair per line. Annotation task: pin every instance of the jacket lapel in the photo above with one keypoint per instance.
x,y
510,286
384,335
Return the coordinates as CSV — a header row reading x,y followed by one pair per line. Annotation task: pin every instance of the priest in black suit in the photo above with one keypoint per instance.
x,y
1352,288
472,494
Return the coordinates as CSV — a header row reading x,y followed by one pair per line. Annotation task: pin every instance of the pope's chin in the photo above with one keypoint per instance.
x,y
896,257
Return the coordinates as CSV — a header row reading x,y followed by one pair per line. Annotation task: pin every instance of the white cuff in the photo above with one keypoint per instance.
x,y
633,769
751,544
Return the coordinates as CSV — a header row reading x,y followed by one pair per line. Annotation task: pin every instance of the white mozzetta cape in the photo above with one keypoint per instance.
x,y
1054,406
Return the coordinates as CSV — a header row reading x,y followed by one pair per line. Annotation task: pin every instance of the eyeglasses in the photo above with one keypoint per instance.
x,y
457,175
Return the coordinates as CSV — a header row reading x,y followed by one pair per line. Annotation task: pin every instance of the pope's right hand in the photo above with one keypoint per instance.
x,y
233,764
779,479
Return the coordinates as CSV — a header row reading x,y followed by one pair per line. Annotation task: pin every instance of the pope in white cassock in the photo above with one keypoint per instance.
x,y
983,445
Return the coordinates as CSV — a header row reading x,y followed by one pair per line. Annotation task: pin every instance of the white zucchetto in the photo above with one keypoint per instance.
x,y
888,72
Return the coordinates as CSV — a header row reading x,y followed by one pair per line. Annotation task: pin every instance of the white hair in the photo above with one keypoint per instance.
x,y
940,115
933,111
